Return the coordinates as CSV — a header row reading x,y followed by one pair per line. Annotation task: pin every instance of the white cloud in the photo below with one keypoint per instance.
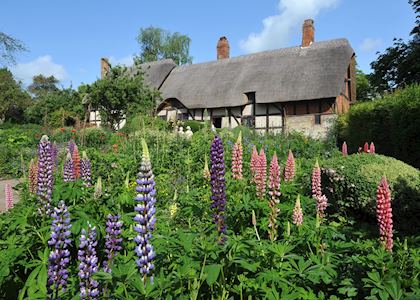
x,y
42,65
126,61
277,29
370,44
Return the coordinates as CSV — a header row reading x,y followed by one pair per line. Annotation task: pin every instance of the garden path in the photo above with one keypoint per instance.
x,y
13,182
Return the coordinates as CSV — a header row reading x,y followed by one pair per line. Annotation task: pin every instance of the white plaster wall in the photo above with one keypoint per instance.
x,y
260,122
306,124
247,110
274,121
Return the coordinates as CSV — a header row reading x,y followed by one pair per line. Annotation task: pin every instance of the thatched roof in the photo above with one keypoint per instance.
x,y
289,74
155,72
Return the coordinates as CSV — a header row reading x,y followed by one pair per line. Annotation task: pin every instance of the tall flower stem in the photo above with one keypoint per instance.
x,y
59,257
289,172
274,192
145,217
261,175
237,158
384,214
88,264
218,187
45,176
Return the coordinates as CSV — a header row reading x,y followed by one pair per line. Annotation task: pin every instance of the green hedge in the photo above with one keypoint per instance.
x,y
392,123
351,183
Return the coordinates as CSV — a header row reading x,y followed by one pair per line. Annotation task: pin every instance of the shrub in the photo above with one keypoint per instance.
x,y
391,123
194,125
351,182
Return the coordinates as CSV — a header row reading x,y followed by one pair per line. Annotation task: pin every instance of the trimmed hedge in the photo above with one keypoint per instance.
x,y
392,123
351,183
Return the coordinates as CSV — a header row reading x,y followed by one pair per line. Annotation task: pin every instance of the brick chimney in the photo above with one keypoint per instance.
x,y
308,32
222,48
104,67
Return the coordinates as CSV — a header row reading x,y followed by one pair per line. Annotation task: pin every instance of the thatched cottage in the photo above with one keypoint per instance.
x,y
300,88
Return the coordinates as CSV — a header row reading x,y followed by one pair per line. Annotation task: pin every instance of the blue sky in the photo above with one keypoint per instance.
x,y
67,38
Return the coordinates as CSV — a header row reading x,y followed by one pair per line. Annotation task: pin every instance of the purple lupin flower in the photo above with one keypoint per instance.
x,y
88,264
85,170
71,146
68,169
45,176
54,154
60,255
218,187
145,217
112,240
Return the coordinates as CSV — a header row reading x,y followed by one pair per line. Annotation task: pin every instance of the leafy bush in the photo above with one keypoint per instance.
x,y
351,183
194,125
392,123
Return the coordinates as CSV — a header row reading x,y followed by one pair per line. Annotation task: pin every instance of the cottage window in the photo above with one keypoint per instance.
x,y
318,119
217,122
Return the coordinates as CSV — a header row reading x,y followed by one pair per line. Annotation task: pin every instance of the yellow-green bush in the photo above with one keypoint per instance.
x,y
351,183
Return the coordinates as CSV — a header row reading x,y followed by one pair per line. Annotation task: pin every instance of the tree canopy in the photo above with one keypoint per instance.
x,y
42,84
399,64
157,44
120,95
13,100
9,46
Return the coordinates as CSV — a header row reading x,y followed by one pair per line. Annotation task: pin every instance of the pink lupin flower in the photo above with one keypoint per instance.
x,y
9,196
321,205
297,217
261,174
372,148
253,164
344,149
316,181
366,148
384,214
274,192
237,158
289,172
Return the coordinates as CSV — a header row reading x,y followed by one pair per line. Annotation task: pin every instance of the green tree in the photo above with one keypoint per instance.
x,y
13,100
364,89
9,46
120,95
42,84
157,44
399,65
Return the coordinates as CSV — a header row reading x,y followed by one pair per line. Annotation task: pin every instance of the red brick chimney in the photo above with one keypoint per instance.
x,y
223,48
308,32
104,67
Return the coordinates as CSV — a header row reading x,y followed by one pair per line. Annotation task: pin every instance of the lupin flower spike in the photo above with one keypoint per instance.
x,y
237,158
45,176
76,161
372,148
112,240
254,162
289,172
366,148
384,214
145,216
218,187
59,257
68,169
344,149
33,176
274,192
88,264
86,170
98,188
206,171
316,181
9,196
297,213
261,174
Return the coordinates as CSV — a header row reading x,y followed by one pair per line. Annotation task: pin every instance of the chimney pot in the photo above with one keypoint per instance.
x,y
308,33
104,67
223,48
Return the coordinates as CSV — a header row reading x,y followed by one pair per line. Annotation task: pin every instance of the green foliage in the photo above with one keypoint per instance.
x,y
392,123
56,108
365,91
120,95
351,183
13,100
332,259
157,44
398,65
9,47
41,84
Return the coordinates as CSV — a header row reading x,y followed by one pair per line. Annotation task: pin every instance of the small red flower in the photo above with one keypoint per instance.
x,y
62,129
73,131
